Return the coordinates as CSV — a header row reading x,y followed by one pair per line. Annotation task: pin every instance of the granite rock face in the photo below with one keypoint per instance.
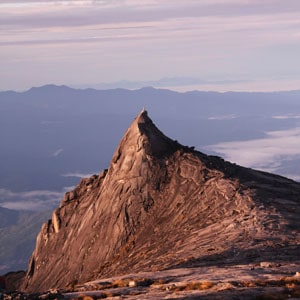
x,y
164,205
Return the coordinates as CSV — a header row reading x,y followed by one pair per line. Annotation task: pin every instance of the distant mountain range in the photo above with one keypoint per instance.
x,y
51,136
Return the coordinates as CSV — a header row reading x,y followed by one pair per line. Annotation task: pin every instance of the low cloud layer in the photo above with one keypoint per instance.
x,y
38,200
268,154
286,117
222,117
79,174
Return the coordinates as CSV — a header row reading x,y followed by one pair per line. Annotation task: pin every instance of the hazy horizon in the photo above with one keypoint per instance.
x,y
216,45
214,87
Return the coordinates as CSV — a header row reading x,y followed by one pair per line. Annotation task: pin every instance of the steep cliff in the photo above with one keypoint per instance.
x,y
160,205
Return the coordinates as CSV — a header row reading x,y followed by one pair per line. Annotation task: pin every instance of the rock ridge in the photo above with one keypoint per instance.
x,y
162,205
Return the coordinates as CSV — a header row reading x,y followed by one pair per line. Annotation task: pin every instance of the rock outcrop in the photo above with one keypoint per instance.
x,y
163,205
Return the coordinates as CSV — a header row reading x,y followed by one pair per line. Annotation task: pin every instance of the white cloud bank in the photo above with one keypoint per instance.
x,y
286,117
38,200
78,174
268,154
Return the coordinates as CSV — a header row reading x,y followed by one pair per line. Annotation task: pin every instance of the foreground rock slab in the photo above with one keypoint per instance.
x,y
260,281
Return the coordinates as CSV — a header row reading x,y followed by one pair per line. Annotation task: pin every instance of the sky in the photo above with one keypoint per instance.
x,y
241,45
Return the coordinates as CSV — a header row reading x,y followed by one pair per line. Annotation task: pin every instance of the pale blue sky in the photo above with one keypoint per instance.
x,y
228,44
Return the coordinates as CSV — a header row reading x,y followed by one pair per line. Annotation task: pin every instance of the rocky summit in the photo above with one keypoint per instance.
x,y
161,206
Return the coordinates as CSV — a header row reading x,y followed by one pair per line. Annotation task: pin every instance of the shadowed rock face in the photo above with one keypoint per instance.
x,y
162,205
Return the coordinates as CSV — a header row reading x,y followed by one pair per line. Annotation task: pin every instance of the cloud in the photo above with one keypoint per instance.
x,y
268,154
286,117
29,205
36,200
57,152
72,19
224,117
257,85
78,174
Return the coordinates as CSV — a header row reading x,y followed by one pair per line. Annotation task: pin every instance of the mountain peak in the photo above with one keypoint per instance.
x,y
144,135
143,118
161,205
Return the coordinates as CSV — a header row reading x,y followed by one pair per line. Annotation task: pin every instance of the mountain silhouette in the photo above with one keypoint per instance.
x,y
163,205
